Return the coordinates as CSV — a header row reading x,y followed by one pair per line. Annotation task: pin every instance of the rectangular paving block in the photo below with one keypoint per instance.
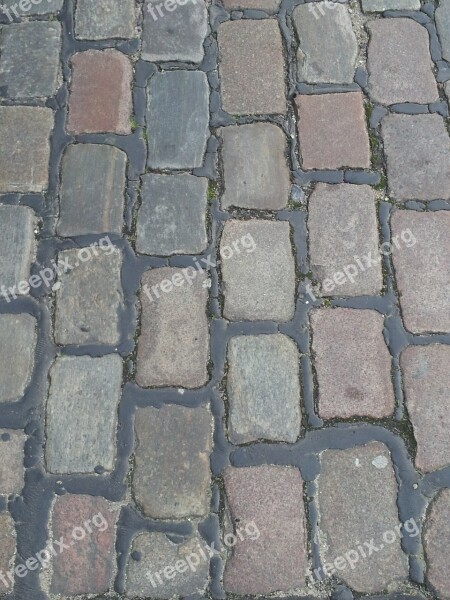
x,y
174,31
332,131
12,447
177,119
81,417
172,216
422,271
105,19
248,84
92,190
17,249
17,346
24,148
263,389
417,149
352,362
382,5
357,503
268,6
172,475
255,168
86,524
258,282
100,78
7,551
343,227
272,498
426,377
173,347
436,542
89,299
21,77
442,16
19,9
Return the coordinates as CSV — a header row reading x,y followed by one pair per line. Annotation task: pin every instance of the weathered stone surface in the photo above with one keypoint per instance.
x,y
17,249
177,33
443,26
259,284
328,47
332,131
7,550
90,298
248,86
352,362
100,93
423,271
24,148
88,566
343,225
92,190
173,347
20,76
417,148
357,500
17,344
172,217
162,571
12,443
29,9
255,168
426,377
272,498
382,5
103,19
178,119
81,416
447,90
399,62
172,475
437,540
263,388
269,6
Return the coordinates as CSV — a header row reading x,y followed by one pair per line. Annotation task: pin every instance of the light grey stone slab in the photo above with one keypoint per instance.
x,y
17,345
12,446
443,26
104,19
29,9
382,5
17,249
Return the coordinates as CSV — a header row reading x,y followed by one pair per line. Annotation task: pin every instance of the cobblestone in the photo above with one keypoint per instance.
x,y
269,6
12,444
443,27
7,548
33,8
255,170
423,273
437,538
17,249
104,19
17,345
352,363
172,477
263,388
382,5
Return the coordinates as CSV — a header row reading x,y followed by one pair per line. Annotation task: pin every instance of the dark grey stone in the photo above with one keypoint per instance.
x,y
43,7
17,345
17,249
443,27
104,19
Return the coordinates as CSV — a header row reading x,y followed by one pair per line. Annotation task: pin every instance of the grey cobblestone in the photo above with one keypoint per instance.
x,y
17,345
12,470
383,5
7,548
17,249
103,19
443,26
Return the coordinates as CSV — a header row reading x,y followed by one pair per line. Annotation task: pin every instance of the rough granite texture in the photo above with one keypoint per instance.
x,y
12,447
436,541
17,249
443,27
105,19
7,548
17,346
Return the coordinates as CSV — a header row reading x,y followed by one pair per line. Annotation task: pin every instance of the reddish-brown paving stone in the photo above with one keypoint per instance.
x,y
7,551
271,497
422,270
426,375
87,566
352,362
100,93
332,131
437,542
12,445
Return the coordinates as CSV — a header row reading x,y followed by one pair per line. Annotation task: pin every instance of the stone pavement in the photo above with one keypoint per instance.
x,y
224,299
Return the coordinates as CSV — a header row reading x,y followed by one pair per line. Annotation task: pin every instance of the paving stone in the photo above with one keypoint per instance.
x,y
269,6
436,540
104,19
173,347
88,566
7,550
251,67
17,249
399,63
12,444
172,217
327,43
352,362
100,93
163,570
343,225
272,498
263,388
447,90
443,27
24,148
423,271
177,119
417,148
25,78
92,190
357,502
333,131
17,346
90,298
79,439
382,5
255,168
259,284
172,475
426,379
32,8
175,33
